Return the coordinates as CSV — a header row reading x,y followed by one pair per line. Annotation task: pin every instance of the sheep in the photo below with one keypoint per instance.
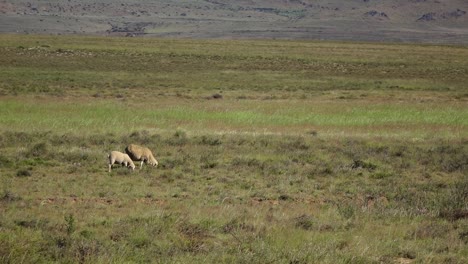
x,y
139,153
120,158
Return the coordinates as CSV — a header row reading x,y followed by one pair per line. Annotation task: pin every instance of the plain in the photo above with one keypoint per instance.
x,y
269,151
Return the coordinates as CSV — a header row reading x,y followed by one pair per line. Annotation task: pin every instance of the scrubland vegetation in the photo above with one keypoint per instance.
x,y
269,151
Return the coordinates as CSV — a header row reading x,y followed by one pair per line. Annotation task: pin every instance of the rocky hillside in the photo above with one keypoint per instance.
x,y
430,21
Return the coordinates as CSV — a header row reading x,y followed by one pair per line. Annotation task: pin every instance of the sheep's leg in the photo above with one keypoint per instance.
x,y
141,164
111,161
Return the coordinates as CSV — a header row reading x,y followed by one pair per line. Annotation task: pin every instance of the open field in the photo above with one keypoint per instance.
x,y
269,151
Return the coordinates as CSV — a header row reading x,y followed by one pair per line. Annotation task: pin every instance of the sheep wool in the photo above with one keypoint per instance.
x,y
140,153
120,158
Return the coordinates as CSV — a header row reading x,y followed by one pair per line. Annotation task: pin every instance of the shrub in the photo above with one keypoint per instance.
x,y
171,163
210,140
208,162
35,223
70,224
245,162
447,158
236,225
284,197
24,173
66,139
180,134
8,196
194,237
38,150
294,144
305,222
5,162
463,236
102,139
429,230
179,138
347,211
16,138
381,175
454,205
360,164
143,137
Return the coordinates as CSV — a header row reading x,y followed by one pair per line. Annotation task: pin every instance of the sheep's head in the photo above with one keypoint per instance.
x,y
131,165
154,162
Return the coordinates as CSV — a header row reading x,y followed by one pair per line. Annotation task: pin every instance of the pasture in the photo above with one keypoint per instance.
x,y
269,151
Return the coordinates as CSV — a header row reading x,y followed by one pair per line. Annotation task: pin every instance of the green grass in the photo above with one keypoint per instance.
x,y
202,116
317,152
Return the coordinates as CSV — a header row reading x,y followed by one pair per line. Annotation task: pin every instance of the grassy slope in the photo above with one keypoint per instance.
x,y
391,20
272,172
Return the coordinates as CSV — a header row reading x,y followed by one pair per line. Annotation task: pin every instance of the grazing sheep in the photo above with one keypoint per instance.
x,y
120,158
139,153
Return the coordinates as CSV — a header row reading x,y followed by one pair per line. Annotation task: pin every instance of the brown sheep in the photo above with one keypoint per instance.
x,y
120,158
139,153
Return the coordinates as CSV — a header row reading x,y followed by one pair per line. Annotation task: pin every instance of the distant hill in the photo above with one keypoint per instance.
x,y
426,21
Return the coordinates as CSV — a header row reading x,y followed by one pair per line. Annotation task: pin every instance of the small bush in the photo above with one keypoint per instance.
x,y
143,137
38,150
285,197
208,162
347,211
102,139
381,175
360,164
447,158
179,138
454,204
210,140
140,239
75,156
8,196
5,162
24,173
180,134
236,225
463,236
35,224
245,162
429,230
66,139
70,224
305,222
294,144
171,163
85,251
407,254
194,237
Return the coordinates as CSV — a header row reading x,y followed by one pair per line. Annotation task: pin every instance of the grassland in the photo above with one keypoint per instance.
x,y
269,151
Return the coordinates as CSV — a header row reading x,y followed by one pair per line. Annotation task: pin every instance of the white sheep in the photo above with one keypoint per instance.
x,y
120,158
139,153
